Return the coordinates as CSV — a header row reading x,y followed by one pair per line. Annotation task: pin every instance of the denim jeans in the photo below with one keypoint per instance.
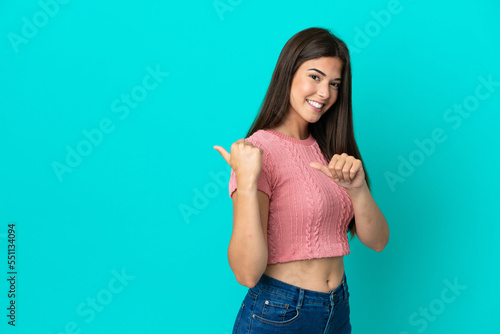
x,y
274,306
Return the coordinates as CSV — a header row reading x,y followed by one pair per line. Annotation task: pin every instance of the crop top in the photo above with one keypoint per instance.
x,y
308,212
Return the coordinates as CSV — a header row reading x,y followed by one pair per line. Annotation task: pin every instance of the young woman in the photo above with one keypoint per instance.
x,y
298,185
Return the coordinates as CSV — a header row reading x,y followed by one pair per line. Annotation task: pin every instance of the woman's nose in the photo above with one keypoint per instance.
x,y
324,92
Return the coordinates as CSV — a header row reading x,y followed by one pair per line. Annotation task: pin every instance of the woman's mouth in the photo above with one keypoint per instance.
x,y
315,105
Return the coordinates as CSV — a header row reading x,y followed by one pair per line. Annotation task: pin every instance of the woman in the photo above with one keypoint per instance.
x,y
298,186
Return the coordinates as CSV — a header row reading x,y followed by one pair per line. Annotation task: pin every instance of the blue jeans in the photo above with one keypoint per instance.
x,y
274,306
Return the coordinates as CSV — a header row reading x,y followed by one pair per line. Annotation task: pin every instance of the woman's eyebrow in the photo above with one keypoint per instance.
x,y
323,74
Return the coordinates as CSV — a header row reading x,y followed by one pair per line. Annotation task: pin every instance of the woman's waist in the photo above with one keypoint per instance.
x,y
319,274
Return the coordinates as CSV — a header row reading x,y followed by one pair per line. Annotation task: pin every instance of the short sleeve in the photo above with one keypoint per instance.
x,y
264,182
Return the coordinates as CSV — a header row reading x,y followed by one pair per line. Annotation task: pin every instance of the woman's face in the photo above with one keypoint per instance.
x,y
315,87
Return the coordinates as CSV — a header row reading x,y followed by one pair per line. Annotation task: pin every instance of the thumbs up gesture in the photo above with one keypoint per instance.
x,y
246,161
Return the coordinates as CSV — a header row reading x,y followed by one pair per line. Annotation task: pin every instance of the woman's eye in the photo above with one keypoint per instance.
x,y
334,84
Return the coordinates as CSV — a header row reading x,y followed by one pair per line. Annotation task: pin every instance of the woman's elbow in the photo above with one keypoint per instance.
x,y
249,283
382,246
246,280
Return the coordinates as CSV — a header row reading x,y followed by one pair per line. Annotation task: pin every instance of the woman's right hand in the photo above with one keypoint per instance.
x,y
246,161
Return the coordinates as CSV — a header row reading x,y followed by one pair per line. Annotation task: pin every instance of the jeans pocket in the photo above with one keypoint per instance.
x,y
275,309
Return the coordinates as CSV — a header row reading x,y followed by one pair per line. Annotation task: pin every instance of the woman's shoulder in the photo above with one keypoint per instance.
x,y
263,139
267,142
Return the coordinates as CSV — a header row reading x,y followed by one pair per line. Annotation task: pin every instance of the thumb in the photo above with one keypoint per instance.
x,y
322,168
223,152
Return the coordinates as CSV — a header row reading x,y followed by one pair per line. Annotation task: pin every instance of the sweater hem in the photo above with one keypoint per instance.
x,y
298,257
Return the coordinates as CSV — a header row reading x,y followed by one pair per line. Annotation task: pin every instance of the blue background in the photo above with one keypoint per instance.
x,y
148,202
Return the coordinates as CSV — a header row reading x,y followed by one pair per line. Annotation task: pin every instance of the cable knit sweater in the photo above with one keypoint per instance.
x,y
308,212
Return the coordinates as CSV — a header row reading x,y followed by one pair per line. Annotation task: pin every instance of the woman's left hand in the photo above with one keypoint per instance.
x,y
345,170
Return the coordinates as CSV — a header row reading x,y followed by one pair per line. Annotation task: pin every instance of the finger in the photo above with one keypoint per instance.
x,y
355,167
331,166
333,161
343,165
346,170
339,165
225,154
321,168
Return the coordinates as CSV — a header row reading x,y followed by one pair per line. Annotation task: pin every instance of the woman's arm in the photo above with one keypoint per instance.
x,y
371,226
247,251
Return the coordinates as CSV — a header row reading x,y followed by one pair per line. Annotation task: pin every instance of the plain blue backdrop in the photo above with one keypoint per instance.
x,y
109,113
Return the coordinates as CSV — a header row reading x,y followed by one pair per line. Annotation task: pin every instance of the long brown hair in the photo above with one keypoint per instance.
x,y
334,131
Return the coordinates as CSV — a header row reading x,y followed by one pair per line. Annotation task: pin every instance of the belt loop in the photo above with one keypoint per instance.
x,y
301,298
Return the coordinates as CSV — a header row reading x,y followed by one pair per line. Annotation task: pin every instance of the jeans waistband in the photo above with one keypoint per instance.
x,y
303,296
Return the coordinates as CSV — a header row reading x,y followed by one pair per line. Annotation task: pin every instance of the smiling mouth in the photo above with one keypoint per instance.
x,y
315,104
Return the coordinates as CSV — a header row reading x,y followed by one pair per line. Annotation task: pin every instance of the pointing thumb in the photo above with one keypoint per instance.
x,y
223,152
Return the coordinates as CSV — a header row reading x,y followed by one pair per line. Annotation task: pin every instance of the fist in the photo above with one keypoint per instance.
x,y
345,170
245,159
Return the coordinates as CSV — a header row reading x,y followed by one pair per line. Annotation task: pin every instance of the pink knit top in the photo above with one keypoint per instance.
x,y
308,212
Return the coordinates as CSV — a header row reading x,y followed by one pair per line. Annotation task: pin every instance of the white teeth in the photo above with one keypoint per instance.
x,y
315,104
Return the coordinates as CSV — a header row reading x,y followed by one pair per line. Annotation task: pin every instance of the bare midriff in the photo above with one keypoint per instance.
x,y
323,274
